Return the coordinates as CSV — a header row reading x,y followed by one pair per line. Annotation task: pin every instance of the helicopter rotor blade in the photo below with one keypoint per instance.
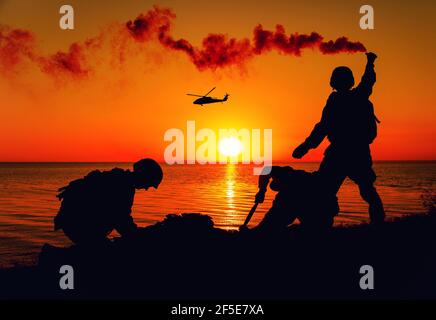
x,y
209,92
194,95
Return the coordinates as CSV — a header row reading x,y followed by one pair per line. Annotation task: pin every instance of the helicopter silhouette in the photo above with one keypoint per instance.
x,y
206,100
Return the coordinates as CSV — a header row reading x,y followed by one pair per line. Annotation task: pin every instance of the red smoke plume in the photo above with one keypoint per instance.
x,y
265,41
341,45
74,62
18,46
71,62
15,46
217,50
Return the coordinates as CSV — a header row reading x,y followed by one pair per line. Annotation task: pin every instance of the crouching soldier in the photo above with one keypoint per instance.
x,y
92,207
300,196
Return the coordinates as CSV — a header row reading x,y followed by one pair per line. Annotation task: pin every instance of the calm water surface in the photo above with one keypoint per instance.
x,y
28,200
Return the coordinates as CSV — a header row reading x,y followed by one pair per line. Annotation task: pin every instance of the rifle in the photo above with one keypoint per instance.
x,y
250,214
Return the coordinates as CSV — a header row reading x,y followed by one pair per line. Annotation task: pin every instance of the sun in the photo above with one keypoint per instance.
x,y
230,147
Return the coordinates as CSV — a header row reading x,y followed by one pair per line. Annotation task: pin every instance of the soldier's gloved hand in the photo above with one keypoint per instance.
x,y
260,196
243,228
371,56
300,151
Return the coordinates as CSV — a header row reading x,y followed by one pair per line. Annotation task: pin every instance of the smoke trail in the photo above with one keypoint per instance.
x,y
219,51
17,47
216,51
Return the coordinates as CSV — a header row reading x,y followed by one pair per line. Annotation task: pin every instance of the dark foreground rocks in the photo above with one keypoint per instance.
x,y
184,256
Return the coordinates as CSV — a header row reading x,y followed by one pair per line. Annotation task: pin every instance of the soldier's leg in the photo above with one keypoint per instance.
x,y
319,214
331,174
84,234
280,215
370,195
364,176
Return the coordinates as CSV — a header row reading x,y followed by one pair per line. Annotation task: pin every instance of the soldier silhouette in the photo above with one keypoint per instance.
x,y
102,201
299,196
349,123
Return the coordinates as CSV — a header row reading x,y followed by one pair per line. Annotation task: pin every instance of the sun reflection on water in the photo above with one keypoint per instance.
x,y
230,182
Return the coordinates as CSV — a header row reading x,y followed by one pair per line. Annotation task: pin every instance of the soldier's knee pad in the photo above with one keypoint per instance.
x,y
83,235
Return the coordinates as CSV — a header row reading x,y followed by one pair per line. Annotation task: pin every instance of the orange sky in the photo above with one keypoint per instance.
x,y
121,113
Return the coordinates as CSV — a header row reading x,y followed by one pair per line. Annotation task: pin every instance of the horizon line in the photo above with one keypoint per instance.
x,y
163,162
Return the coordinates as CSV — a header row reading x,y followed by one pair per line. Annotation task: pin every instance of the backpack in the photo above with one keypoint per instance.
x,y
75,196
373,121
350,119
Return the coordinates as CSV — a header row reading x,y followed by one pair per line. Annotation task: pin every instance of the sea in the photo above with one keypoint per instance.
x,y
28,200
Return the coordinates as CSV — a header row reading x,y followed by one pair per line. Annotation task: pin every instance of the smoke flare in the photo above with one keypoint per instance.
x,y
217,51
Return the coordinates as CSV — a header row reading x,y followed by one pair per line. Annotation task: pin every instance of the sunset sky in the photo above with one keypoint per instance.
x,y
121,109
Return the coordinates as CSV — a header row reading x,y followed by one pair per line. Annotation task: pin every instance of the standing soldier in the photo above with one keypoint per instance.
x,y
349,122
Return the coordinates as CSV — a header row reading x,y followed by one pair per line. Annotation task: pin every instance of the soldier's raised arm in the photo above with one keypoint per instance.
x,y
369,77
